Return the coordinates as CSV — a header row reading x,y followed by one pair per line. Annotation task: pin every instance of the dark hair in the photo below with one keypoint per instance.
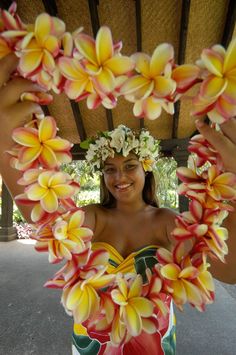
x,y
149,192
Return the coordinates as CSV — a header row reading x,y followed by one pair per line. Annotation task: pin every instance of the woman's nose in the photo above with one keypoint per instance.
x,y
120,174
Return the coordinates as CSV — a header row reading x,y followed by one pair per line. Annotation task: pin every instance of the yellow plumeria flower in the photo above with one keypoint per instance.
x,y
101,60
217,94
42,144
82,299
133,307
41,45
153,86
65,237
50,187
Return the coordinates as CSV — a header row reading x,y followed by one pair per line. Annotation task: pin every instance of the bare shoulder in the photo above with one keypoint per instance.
x,y
94,213
166,218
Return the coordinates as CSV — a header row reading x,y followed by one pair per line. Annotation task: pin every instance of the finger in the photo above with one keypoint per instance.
x,y
15,88
24,111
218,140
229,129
8,65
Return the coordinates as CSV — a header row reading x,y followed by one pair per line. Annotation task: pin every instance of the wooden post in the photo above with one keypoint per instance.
x,y
180,154
7,231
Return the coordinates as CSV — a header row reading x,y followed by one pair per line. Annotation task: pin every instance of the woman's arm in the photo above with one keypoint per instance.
x,y
13,113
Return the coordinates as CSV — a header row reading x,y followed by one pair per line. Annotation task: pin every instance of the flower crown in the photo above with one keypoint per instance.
x,y
122,140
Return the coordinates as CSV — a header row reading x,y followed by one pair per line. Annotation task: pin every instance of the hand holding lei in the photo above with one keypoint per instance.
x,y
118,307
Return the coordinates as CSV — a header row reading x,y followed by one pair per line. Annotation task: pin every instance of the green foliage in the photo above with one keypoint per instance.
x,y
167,182
89,185
17,216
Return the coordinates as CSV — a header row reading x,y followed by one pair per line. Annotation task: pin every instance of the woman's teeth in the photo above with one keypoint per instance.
x,y
122,187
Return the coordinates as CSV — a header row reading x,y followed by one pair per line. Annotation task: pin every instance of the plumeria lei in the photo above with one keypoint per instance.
x,y
121,306
122,140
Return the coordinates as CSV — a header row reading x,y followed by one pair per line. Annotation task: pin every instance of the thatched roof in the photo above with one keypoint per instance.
x,y
190,25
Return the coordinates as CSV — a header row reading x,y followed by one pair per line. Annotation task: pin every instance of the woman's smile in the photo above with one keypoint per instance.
x,y
123,187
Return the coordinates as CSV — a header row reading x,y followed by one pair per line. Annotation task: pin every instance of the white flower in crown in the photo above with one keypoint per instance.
x,y
122,140
117,138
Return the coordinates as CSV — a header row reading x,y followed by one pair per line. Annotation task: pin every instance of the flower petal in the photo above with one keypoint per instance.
x,y
170,271
30,61
104,81
28,155
104,45
47,129
133,84
76,220
143,306
163,86
213,87
119,65
74,89
43,26
152,108
26,136
136,287
162,55
86,46
132,320
213,62
229,62
35,192
49,202
142,61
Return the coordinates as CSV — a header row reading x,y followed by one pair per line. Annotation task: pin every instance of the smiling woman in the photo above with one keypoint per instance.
x,y
125,261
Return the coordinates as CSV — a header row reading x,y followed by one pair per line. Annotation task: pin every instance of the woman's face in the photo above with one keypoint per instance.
x,y
124,177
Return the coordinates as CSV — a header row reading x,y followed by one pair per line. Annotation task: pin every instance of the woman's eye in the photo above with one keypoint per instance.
x,y
109,170
131,166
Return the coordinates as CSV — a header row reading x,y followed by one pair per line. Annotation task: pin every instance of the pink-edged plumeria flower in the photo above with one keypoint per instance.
x,y
181,274
78,84
69,273
203,224
64,237
102,60
152,88
154,291
10,23
134,309
99,324
97,70
218,186
83,299
40,47
204,151
217,93
42,144
51,186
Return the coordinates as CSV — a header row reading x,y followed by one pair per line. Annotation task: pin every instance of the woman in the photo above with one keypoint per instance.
x,y
130,223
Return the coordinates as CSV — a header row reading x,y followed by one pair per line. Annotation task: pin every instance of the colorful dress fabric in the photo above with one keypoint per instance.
x,y
162,342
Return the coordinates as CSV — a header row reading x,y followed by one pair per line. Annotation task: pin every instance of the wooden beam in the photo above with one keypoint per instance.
x,y
50,7
181,56
78,120
7,231
5,4
138,17
46,110
93,4
94,15
229,23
